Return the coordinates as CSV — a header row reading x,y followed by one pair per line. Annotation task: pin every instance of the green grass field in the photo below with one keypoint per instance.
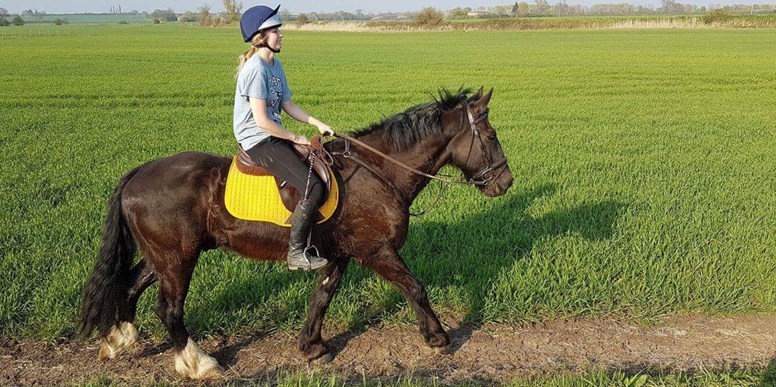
x,y
643,160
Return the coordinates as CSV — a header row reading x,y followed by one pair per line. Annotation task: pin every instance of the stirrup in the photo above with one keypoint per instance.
x,y
311,247
308,264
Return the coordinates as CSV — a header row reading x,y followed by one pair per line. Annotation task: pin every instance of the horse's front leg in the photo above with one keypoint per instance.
x,y
310,342
389,265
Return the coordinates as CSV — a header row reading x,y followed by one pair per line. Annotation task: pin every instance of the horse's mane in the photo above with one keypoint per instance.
x,y
418,122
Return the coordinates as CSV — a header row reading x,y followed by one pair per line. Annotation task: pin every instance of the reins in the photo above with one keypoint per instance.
x,y
348,155
478,179
446,179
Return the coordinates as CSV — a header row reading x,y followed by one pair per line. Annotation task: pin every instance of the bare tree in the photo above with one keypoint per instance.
x,y
429,17
204,15
302,19
669,6
542,7
233,9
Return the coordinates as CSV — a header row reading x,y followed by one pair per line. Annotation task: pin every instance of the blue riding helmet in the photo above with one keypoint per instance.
x,y
258,18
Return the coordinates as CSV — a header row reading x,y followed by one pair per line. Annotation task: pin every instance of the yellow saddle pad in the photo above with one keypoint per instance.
x,y
257,198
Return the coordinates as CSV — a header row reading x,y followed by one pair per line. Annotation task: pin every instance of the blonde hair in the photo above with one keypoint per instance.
x,y
256,42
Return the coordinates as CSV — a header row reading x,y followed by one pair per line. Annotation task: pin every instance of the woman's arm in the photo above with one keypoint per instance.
x,y
300,115
259,110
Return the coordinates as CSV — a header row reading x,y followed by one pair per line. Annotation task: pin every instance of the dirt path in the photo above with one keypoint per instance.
x,y
493,353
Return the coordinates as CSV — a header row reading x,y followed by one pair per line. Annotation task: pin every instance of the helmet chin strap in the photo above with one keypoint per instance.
x,y
268,47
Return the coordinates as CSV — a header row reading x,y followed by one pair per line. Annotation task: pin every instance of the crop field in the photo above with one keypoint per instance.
x,y
644,164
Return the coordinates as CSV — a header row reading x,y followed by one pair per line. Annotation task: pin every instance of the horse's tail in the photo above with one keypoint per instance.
x,y
105,292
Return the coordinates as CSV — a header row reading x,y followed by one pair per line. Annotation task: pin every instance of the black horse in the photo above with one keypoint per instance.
x,y
172,209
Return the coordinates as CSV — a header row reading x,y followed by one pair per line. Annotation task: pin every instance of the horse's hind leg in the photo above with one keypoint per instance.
x,y
124,334
389,265
174,283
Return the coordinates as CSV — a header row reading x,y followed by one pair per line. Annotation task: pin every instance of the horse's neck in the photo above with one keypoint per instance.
x,y
429,158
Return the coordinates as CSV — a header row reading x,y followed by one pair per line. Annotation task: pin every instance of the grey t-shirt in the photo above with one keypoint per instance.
x,y
258,79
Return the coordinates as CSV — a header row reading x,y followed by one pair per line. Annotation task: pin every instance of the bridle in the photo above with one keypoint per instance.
x,y
486,175
482,178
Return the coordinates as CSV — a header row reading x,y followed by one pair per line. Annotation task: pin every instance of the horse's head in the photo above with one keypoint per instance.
x,y
475,148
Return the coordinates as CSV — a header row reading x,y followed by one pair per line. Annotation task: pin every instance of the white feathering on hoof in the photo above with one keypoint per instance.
x,y
120,338
195,364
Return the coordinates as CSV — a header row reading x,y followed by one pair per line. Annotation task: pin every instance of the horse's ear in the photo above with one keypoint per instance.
x,y
483,101
478,94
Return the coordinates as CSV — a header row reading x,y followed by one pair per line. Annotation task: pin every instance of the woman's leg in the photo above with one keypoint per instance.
x,y
278,157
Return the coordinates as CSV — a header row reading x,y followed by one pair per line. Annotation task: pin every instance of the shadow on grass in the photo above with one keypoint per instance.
x,y
495,240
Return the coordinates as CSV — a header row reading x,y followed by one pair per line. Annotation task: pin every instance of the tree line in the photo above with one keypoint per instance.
x,y
427,16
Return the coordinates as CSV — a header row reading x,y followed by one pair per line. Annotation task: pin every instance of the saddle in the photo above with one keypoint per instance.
x,y
288,194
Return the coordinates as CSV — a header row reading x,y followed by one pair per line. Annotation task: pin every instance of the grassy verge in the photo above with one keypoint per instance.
x,y
710,378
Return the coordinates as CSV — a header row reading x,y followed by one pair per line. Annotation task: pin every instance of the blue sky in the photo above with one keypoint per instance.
x,y
296,6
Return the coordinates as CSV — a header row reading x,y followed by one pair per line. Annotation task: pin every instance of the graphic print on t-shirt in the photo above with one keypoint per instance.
x,y
276,95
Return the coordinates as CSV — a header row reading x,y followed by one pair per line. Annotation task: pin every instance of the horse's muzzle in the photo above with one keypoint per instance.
x,y
500,185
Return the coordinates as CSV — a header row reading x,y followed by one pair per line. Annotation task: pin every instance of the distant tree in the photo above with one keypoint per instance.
x,y
669,6
233,9
167,15
523,9
542,7
561,9
458,13
59,21
285,14
17,20
3,15
187,17
204,17
429,17
302,19
516,9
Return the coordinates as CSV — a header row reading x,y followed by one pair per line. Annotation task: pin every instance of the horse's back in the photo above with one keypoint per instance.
x,y
176,169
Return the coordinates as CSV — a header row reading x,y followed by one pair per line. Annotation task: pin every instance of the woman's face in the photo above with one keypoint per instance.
x,y
274,38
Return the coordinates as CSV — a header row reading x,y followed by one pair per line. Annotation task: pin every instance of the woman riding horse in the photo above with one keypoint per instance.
x,y
172,209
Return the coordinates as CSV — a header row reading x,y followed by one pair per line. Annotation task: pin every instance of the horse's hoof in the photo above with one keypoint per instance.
x,y
446,350
325,359
192,363
118,340
213,373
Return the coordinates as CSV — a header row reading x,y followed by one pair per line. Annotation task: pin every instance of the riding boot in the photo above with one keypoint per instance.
x,y
301,223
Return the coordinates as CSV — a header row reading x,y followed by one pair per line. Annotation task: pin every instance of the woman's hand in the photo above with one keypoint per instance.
x,y
325,129
301,140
